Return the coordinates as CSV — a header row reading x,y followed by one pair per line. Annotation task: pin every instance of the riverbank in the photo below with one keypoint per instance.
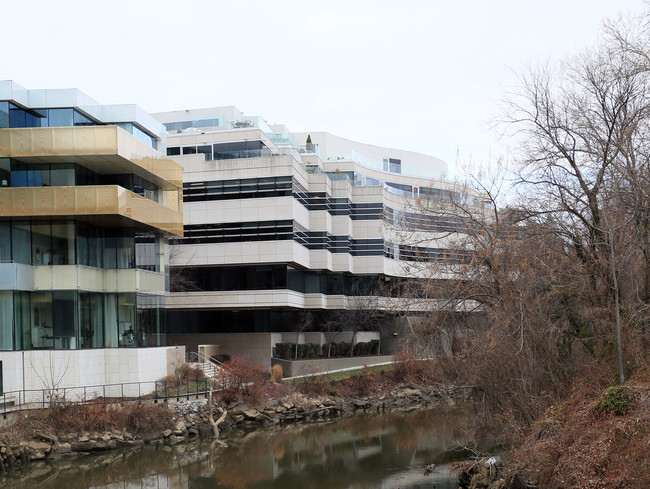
x,y
370,450
599,437
44,435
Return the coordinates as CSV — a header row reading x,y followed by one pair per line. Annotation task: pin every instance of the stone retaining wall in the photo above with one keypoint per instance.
x,y
192,421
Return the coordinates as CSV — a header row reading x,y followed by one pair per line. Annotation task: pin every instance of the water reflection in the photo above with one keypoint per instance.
x,y
373,451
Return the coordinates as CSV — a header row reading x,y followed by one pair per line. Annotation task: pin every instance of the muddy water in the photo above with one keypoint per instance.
x,y
365,451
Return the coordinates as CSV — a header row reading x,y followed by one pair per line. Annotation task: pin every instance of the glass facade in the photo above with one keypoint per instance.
x,y
244,321
13,116
198,124
46,317
14,173
283,276
79,243
223,151
69,320
139,133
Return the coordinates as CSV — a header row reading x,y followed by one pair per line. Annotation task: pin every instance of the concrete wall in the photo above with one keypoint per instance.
x,y
256,347
292,368
47,369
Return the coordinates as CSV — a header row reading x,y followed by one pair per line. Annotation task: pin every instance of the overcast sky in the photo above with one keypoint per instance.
x,y
419,75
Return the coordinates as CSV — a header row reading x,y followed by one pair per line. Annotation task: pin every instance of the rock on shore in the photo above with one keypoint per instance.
x,y
191,420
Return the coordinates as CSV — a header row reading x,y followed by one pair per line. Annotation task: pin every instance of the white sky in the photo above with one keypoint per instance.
x,y
418,75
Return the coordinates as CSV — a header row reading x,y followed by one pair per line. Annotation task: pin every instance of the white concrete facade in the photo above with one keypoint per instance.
x,y
327,209
28,373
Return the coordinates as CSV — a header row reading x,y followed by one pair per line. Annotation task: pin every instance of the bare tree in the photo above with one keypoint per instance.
x,y
52,377
584,162
181,278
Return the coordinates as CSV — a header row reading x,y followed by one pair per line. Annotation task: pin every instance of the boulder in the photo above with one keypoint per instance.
x,y
83,446
405,392
105,445
62,448
39,446
129,443
46,437
173,439
149,437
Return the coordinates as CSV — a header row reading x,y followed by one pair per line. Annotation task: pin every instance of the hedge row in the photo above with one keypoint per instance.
x,y
287,351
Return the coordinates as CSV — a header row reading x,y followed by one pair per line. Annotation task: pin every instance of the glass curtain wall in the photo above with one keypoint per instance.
x,y
6,320
91,320
126,319
147,252
65,319
151,326
21,247
42,321
68,320
5,241
22,320
77,243
111,335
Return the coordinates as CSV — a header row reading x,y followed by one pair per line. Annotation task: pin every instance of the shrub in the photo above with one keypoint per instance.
x,y
242,382
185,371
184,379
363,348
409,369
616,400
135,417
315,385
276,373
360,384
314,350
286,351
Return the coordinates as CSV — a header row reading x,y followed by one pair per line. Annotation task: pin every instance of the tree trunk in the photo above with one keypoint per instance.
x,y
213,423
617,306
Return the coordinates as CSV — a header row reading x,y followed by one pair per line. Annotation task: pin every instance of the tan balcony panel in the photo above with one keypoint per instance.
x,y
103,149
96,200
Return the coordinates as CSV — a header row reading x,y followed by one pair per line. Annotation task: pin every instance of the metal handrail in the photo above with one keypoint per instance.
x,y
206,358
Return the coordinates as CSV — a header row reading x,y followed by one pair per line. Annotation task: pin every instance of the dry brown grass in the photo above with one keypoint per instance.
x,y
407,370
577,445
276,373
247,384
134,417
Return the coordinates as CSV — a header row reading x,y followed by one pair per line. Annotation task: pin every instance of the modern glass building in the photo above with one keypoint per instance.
x,y
87,204
280,224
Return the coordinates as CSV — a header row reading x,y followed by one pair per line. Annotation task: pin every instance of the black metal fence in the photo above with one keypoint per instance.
x,y
155,391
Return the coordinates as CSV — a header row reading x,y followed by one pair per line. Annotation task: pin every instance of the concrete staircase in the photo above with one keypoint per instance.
x,y
211,370
210,367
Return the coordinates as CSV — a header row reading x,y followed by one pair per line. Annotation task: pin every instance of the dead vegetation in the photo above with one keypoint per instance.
x,y
577,444
99,416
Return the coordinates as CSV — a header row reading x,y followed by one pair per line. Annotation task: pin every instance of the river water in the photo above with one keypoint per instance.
x,y
384,451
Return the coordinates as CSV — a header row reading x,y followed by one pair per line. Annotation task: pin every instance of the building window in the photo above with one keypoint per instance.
x,y
6,320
